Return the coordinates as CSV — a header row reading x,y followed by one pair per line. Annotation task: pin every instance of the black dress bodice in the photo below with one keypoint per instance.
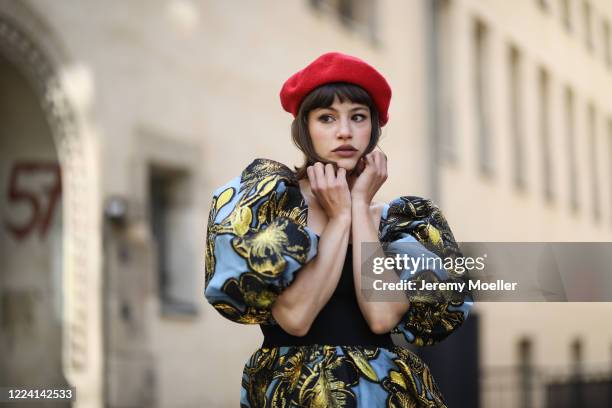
x,y
339,323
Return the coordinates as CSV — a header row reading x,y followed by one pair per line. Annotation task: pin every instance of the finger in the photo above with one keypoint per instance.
x,y
315,175
384,165
312,178
319,174
370,161
377,157
342,176
330,174
382,160
317,169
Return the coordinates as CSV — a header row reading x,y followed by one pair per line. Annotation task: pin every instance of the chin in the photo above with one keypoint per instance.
x,y
347,165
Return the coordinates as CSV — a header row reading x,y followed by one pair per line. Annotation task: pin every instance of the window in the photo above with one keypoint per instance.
x,y
592,129
544,123
357,15
566,14
570,129
482,102
576,350
610,164
166,175
516,118
170,224
526,370
607,43
588,28
442,83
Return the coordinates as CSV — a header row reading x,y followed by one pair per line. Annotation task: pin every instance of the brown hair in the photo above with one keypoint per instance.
x,y
323,97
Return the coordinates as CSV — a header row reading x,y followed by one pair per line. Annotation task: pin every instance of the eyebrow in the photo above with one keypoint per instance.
x,y
352,110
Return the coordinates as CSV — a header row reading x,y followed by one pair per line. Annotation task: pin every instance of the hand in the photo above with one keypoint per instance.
x,y
331,190
371,178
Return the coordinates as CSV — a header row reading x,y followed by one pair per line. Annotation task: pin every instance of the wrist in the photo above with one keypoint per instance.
x,y
359,204
342,217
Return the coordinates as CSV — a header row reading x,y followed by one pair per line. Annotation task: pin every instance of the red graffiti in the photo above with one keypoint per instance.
x,y
39,218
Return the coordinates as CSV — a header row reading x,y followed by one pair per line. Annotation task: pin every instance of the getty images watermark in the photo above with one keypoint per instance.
x,y
491,271
413,264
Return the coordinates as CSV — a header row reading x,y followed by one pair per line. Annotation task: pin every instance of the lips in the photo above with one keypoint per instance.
x,y
344,148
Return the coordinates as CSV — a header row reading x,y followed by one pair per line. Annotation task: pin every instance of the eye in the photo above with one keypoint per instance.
x,y
326,118
359,117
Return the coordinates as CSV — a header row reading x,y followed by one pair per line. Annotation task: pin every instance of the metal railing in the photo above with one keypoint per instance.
x,y
546,387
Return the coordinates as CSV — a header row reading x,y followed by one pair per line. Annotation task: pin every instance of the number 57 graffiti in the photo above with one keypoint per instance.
x,y
17,194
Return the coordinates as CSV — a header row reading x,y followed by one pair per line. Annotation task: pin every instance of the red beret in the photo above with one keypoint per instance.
x,y
337,67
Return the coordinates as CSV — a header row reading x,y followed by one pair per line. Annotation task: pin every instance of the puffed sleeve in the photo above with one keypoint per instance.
x,y
417,226
257,240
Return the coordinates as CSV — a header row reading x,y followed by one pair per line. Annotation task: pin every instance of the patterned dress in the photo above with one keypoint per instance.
x,y
257,241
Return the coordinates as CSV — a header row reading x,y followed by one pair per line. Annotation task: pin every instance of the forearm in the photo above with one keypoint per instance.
x,y
380,316
297,307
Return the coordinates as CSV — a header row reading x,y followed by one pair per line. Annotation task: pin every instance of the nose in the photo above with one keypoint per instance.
x,y
344,129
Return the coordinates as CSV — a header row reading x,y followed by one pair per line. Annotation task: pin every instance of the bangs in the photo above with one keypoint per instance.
x,y
323,96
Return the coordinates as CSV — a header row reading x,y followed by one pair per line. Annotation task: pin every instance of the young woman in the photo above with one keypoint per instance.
x,y
280,250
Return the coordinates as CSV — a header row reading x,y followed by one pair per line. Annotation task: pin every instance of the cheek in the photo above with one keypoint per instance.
x,y
364,135
318,136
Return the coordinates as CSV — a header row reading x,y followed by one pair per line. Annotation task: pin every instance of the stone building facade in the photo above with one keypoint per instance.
x,y
119,119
